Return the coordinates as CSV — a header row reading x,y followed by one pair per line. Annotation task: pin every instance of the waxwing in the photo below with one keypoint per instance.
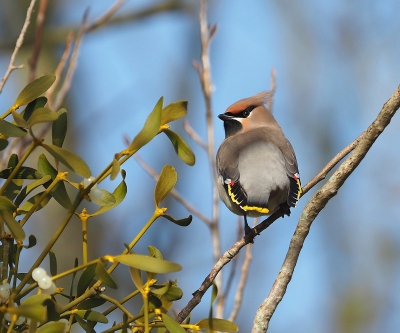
x,y
256,165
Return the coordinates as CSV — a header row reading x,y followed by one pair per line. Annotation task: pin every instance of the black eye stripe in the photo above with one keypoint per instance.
x,y
246,112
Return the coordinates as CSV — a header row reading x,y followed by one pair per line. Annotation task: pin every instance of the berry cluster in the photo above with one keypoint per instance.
x,y
44,281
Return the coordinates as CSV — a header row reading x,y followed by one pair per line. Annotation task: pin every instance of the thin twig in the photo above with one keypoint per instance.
x,y
243,279
72,66
193,135
18,45
105,17
315,205
59,70
33,60
204,72
178,197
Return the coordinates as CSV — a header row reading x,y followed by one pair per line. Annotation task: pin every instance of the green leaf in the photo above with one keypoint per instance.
x,y
53,263
37,312
32,106
103,275
52,327
23,173
181,147
165,183
59,128
13,189
115,169
69,159
59,192
173,294
171,324
154,302
148,264
105,199
91,303
119,195
3,144
86,278
31,241
13,161
11,130
150,128
154,252
181,222
19,120
6,204
34,89
173,111
36,183
16,230
136,278
92,316
219,325
26,207
42,115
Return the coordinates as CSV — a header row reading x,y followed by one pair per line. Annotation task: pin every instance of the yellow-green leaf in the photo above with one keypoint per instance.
x,y
115,169
26,207
119,195
16,230
42,115
32,106
6,204
165,183
136,278
92,316
173,111
23,173
218,325
148,264
37,312
52,327
69,159
103,275
150,128
181,147
171,324
36,183
11,130
59,128
34,89
19,120
102,197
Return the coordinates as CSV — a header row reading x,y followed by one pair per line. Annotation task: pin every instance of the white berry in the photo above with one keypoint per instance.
x,y
7,316
45,282
95,194
38,273
5,291
67,324
51,290
87,181
20,320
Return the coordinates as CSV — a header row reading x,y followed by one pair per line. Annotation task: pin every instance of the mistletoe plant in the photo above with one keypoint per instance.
x,y
31,301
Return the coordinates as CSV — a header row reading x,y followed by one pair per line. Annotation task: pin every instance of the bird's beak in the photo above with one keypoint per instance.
x,y
224,116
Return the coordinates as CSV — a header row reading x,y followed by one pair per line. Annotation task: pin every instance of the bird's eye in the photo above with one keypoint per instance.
x,y
246,112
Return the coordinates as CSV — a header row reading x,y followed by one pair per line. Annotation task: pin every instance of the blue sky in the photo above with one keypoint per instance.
x,y
337,63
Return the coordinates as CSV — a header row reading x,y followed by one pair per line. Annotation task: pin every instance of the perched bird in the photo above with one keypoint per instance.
x,y
256,165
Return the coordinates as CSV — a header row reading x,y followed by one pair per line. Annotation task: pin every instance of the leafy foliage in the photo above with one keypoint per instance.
x,y
27,189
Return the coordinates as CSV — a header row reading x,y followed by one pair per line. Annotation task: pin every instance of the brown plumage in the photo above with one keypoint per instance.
x,y
256,164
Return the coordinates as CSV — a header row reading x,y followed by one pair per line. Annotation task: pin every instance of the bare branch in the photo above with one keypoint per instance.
x,y
18,45
193,135
33,60
315,205
178,197
72,66
105,17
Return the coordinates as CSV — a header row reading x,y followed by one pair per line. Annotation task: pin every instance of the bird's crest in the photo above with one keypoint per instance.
x,y
256,100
